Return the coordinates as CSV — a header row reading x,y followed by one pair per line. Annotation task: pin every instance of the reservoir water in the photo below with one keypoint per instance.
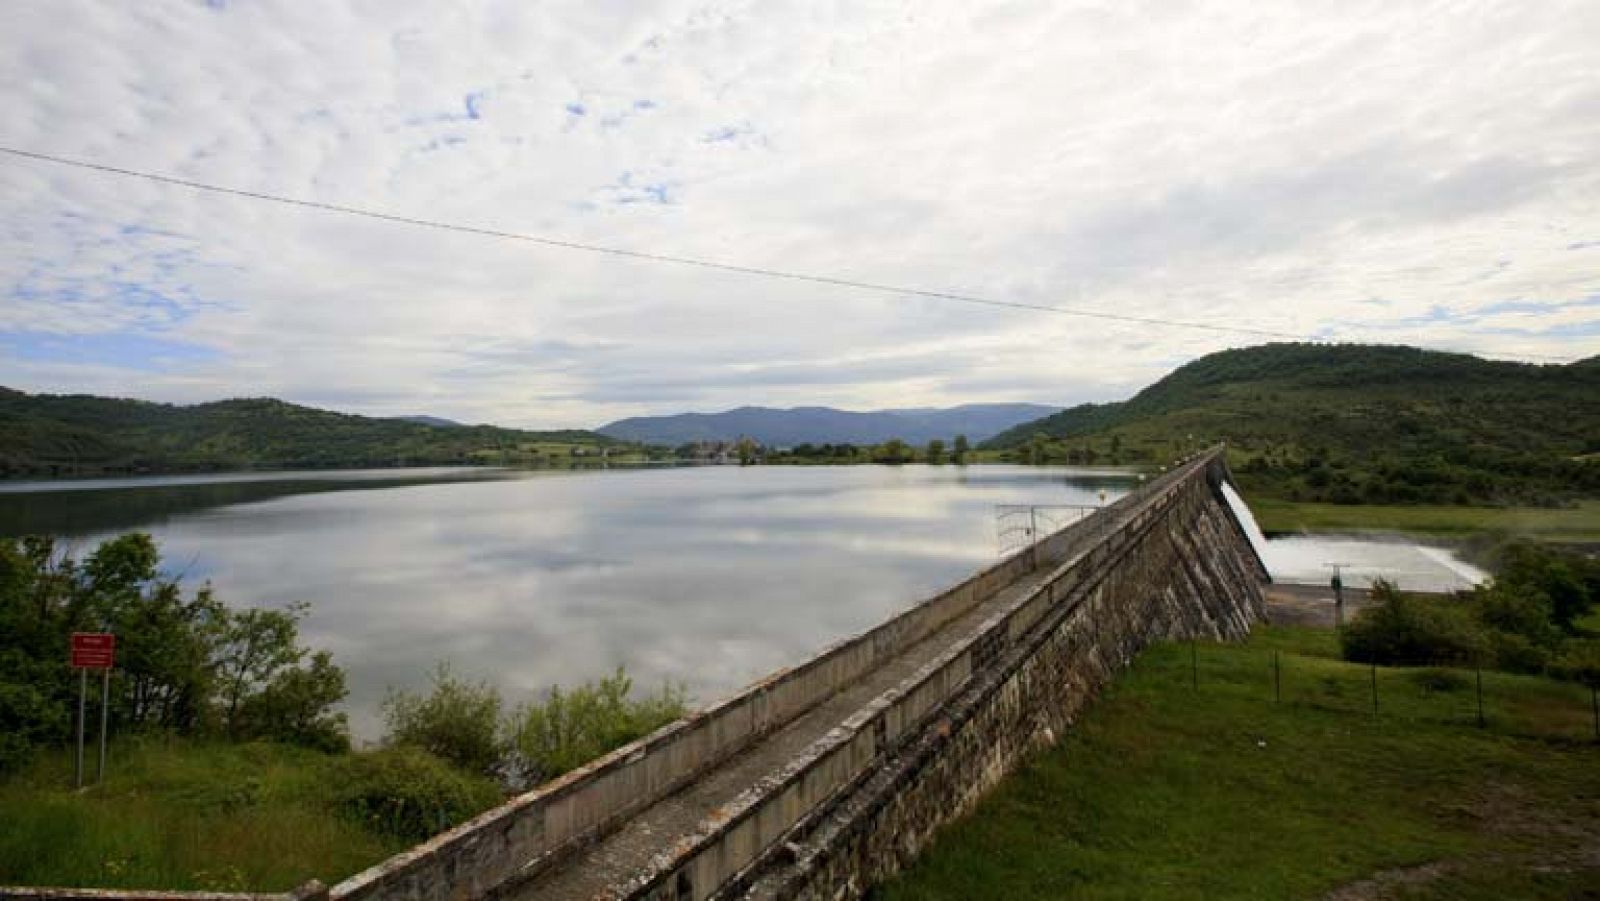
x,y
706,576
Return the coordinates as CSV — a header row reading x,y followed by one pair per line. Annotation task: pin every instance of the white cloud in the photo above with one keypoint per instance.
x,y
1292,166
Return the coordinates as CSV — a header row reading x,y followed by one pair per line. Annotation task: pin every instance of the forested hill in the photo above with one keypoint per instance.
x,y
1354,424
78,435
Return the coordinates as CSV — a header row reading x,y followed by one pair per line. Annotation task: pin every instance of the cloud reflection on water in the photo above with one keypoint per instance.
x,y
707,576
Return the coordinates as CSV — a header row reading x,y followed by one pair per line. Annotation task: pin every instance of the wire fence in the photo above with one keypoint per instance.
x,y
1527,705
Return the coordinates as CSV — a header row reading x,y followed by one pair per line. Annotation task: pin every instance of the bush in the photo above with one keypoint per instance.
x,y
296,707
572,728
1410,631
1515,653
1566,583
1580,662
457,720
409,793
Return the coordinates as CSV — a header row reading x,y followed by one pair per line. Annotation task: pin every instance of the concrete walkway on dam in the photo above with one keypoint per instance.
x,y
626,857
627,853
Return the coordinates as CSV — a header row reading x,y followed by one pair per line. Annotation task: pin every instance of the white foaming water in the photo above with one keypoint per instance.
x,y
1241,510
1307,559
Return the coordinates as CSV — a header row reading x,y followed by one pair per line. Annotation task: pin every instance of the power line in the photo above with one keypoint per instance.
x,y
759,271
644,255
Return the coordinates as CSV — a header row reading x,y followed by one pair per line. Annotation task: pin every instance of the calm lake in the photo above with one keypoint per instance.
x,y
706,576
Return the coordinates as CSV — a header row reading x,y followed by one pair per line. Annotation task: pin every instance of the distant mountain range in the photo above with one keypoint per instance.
x,y
825,425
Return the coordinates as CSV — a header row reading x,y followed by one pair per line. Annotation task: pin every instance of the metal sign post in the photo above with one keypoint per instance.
x,y
93,650
83,691
105,718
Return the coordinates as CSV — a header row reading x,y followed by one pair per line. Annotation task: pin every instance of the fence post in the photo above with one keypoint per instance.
x,y
1194,663
1374,691
1480,698
83,691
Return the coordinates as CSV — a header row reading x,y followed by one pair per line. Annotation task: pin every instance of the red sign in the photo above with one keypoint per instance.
x,y
93,650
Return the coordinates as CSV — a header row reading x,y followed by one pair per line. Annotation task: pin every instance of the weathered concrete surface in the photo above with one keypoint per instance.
x,y
310,891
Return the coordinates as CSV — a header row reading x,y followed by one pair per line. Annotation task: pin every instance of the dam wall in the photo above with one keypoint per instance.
x,y
1185,570
858,805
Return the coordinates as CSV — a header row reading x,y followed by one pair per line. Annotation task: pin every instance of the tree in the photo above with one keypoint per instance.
x,y
256,645
936,451
184,664
893,451
296,707
1568,583
748,451
961,449
1037,448
457,720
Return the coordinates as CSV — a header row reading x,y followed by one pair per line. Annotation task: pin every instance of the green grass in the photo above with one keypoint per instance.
x,y
1577,523
179,815
1168,792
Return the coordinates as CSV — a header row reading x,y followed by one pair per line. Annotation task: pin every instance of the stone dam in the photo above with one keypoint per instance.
x,y
821,780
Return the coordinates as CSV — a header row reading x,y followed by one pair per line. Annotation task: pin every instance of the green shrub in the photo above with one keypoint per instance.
x,y
1520,610
1515,653
296,707
1566,583
457,720
1579,662
409,793
572,728
1401,630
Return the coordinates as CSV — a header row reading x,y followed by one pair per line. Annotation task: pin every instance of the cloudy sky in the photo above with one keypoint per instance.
x,y
1387,171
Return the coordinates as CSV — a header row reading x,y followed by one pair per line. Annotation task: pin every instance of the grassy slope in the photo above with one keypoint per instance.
x,y
178,815
1164,792
76,434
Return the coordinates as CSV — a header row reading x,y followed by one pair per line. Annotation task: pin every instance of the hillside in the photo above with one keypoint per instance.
x,y
1354,424
819,425
78,435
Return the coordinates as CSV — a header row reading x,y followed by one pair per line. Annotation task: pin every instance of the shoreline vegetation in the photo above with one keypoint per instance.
x,y
1320,438
231,767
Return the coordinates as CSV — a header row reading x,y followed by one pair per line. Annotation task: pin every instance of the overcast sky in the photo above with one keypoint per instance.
x,y
1385,171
